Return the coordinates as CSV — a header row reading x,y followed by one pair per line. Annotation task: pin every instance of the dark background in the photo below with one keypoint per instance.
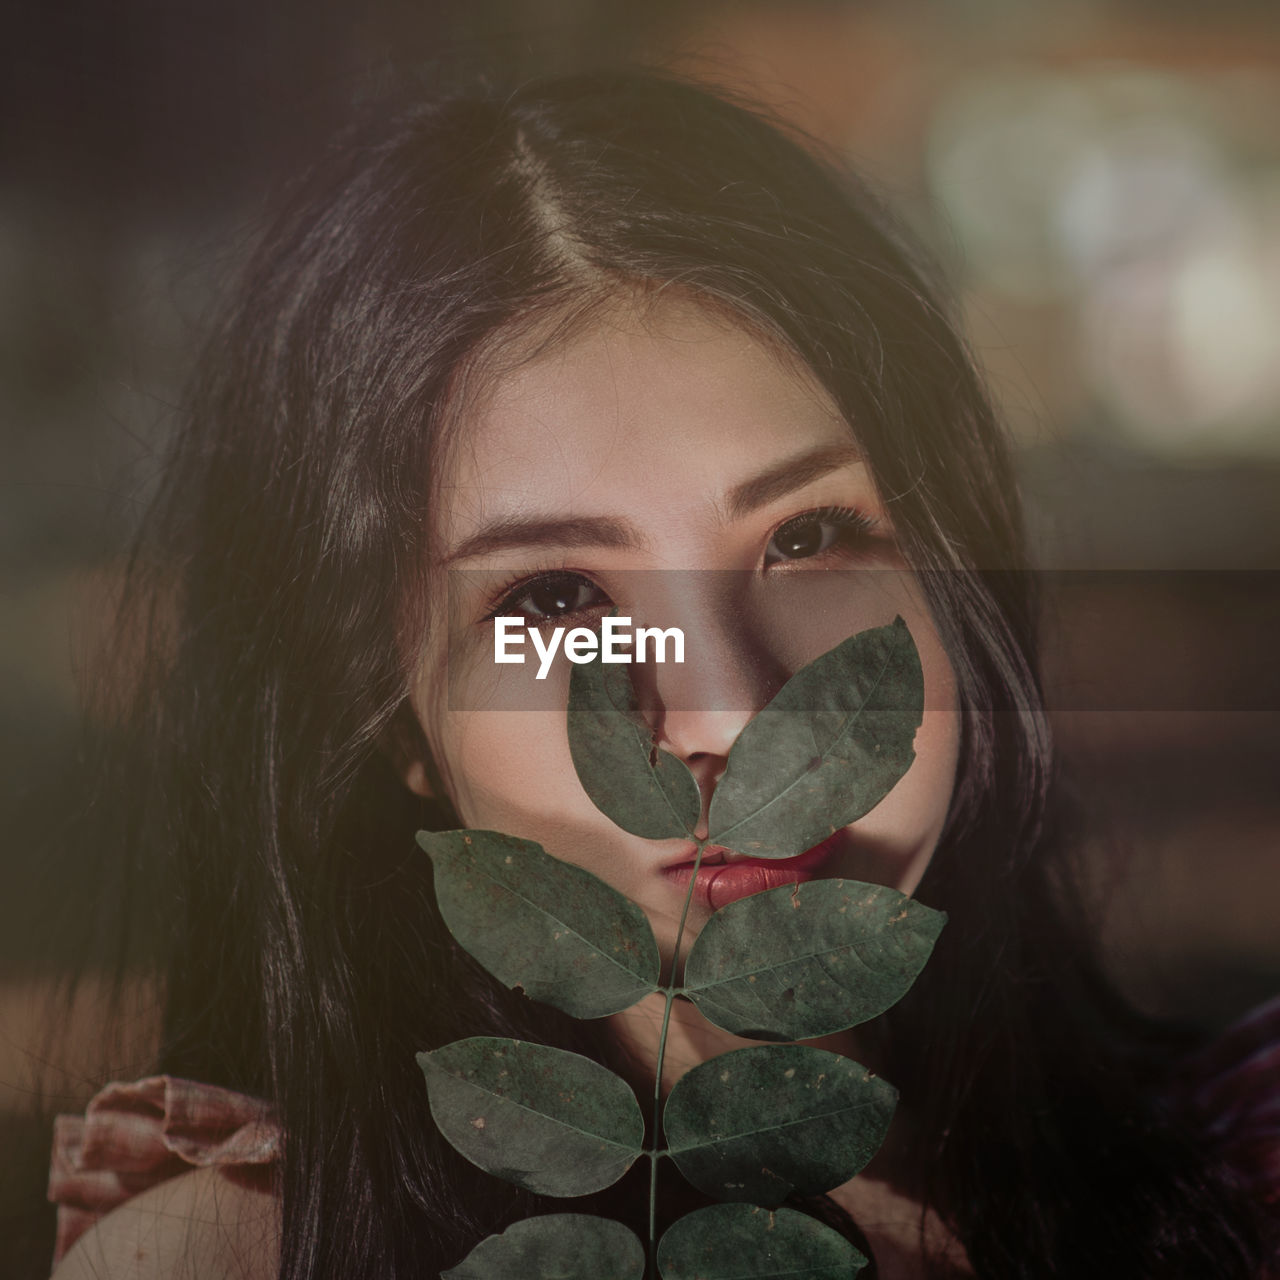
x,y
1100,180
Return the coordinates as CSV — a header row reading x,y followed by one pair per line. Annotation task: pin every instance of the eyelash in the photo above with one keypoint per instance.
x,y
854,529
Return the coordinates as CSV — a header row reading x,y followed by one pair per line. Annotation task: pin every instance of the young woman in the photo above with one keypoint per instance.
x,y
607,341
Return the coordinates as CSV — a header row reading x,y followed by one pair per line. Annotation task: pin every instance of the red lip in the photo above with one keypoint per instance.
x,y
725,877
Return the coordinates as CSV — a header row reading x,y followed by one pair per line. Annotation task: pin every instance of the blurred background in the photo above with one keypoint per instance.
x,y
1098,179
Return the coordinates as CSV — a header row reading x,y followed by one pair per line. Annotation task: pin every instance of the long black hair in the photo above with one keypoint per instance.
x,y
280,578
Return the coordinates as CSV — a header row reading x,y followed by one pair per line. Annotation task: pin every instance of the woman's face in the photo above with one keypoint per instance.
x,y
666,462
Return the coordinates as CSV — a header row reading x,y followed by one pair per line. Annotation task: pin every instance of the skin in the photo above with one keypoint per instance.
x,y
653,415
203,1225
650,418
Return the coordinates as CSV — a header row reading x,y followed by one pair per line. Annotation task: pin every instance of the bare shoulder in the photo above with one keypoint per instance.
x,y
202,1225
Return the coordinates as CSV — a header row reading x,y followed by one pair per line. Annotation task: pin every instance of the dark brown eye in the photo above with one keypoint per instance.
x,y
814,532
554,595
795,542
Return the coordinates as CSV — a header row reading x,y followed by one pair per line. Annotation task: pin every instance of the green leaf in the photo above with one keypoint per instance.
x,y
805,960
552,1121
826,750
535,922
646,791
744,1242
762,1123
556,1246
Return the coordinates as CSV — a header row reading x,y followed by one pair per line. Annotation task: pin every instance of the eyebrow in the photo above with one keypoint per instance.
x,y
615,534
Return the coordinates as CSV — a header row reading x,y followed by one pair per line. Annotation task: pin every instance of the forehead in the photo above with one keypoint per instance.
x,y
639,410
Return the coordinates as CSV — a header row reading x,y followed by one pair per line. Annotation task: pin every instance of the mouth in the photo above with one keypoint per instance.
x,y
724,876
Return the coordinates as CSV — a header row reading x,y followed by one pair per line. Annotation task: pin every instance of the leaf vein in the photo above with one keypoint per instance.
x,y
739,1135
549,915
541,1115
849,720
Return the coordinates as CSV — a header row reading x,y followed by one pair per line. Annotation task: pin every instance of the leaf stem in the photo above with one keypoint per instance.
x,y
653,1213
670,991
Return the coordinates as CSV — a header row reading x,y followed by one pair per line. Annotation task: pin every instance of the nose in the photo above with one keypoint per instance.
x,y
699,707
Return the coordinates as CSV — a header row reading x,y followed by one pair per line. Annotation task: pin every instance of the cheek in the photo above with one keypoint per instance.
x,y
805,613
496,733
507,770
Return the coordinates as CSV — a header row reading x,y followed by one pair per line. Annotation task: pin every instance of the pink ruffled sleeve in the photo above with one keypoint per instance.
x,y
1233,1087
134,1136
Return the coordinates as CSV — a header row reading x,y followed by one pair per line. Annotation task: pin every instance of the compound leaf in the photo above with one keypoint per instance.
x,y
552,1121
555,930
809,959
644,790
555,1246
744,1242
762,1123
826,750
